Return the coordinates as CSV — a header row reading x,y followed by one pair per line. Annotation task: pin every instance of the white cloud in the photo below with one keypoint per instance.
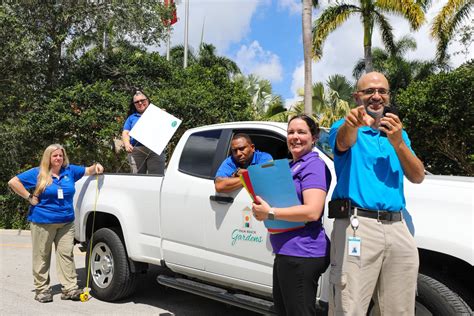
x,y
294,6
254,59
219,22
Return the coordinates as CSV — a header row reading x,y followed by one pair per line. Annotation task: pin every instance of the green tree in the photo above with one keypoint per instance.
x,y
326,107
371,13
206,57
264,102
438,116
342,86
447,23
52,33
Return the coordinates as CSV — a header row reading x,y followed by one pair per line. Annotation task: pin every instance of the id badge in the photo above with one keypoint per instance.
x,y
60,194
354,246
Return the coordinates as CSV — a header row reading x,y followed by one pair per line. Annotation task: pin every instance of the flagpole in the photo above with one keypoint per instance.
x,y
186,27
168,44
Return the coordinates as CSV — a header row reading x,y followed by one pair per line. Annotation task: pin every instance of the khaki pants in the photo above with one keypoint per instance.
x,y
387,269
43,236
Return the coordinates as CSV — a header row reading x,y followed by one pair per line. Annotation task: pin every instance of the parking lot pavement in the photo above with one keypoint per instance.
x,y
17,291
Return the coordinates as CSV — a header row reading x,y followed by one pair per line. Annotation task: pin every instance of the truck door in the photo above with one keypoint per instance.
x,y
238,245
185,199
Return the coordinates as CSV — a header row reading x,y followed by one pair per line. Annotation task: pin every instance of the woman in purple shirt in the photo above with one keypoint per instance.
x,y
301,255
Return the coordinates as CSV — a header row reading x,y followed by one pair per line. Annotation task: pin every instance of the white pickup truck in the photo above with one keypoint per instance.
x,y
206,239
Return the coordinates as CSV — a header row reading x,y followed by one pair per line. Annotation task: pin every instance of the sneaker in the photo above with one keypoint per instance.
x,y
44,297
74,295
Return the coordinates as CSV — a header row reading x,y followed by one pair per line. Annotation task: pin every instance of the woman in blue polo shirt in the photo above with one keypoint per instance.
x,y
52,218
140,157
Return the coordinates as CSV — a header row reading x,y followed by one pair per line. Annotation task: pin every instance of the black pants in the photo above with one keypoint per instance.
x,y
295,282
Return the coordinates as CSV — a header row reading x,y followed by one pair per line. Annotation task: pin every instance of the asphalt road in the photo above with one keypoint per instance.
x,y
17,290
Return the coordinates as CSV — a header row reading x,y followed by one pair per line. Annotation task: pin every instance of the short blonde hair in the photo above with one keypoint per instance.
x,y
44,176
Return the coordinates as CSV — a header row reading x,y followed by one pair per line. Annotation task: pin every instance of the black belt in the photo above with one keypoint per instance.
x,y
378,215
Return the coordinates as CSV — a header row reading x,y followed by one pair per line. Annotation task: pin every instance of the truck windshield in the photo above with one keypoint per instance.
x,y
323,143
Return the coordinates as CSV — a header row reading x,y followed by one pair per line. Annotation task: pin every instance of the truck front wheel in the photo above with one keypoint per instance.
x,y
110,275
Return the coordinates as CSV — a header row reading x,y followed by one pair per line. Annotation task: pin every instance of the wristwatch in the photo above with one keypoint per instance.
x,y
271,214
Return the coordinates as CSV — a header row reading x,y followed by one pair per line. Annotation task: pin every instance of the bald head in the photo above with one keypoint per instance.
x,y
372,79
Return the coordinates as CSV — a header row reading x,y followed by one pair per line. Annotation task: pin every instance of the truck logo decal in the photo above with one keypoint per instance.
x,y
246,233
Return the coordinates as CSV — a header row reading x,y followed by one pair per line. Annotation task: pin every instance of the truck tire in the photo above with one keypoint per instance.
x,y
110,275
436,298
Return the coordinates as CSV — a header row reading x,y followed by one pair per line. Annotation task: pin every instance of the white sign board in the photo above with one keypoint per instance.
x,y
155,128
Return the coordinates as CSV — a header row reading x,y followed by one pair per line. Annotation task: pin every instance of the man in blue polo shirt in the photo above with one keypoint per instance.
x,y
373,255
243,155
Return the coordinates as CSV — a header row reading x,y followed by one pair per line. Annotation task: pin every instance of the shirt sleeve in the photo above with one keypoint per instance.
x,y
314,176
29,178
265,157
226,169
333,136
128,124
77,172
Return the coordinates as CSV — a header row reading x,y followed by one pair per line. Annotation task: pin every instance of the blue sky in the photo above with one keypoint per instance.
x,y
264,38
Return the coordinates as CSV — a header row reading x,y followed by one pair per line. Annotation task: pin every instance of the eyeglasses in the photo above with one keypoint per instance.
x,y
372,91
139,101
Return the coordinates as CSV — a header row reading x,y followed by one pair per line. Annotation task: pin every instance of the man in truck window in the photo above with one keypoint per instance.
x,y
243,154
372,252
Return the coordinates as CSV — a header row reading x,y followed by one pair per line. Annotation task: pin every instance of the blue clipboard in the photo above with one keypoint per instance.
x,y
274,183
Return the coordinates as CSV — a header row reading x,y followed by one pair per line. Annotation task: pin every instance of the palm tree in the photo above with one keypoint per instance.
x,y
206,57
327,106
307,34
342,86
371,12
264,102
447,22
398,70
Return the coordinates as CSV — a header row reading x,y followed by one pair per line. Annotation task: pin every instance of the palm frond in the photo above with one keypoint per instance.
x,y
409,9
329,20
386,32
441,19
446,22
404,44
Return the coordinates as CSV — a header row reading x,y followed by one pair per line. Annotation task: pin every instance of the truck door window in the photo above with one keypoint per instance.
x,y
198,154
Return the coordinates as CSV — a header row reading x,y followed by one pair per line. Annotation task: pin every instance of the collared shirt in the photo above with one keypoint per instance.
x,y
129,124
369,173
309,172
51,209
229,165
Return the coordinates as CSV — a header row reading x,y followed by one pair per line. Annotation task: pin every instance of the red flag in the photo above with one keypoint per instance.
x,y
174,19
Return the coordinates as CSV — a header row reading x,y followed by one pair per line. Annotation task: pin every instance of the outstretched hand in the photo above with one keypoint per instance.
x,y
358,117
